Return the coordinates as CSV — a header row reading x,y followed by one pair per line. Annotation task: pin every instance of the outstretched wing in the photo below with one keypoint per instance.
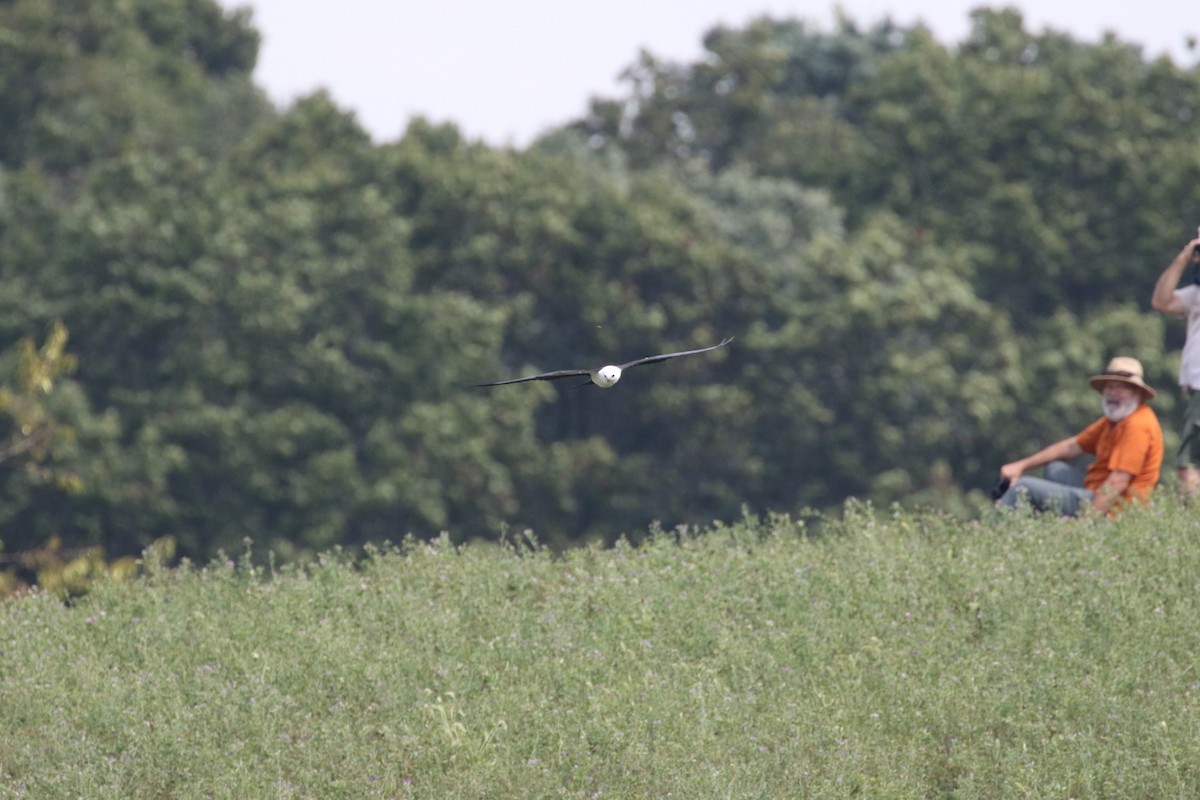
x,y
665,356
543,376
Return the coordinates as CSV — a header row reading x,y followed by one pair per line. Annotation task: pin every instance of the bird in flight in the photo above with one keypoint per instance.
x,y
607,376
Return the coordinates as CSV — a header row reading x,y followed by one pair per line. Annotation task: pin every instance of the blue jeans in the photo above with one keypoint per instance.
x,y
1061,490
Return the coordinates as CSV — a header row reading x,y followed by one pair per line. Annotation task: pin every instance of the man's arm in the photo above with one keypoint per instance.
x,y
1164,299
1059,451
1110,491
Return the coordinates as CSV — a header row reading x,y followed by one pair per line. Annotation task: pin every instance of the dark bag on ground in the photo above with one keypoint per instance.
x,y
1000,488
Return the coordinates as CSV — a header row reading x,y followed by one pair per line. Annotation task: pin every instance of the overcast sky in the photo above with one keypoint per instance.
x,y
506,70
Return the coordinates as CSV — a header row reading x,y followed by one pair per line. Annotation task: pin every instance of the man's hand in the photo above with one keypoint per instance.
x,y
1109,492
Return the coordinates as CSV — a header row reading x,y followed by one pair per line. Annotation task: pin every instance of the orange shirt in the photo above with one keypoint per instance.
x,y
1133,445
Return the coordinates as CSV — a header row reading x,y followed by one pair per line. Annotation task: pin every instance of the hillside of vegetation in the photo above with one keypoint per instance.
x,y
274,323
892,655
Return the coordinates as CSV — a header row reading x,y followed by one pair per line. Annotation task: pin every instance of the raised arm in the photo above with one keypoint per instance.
x,y
1164,299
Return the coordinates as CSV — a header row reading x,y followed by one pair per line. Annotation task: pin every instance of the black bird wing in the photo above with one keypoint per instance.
x,y
543,376
665,356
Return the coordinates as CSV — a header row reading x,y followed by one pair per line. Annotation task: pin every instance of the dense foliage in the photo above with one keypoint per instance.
x,y
921,250
895,656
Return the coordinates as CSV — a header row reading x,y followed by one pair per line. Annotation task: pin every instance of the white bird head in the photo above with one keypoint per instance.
x,y
606,377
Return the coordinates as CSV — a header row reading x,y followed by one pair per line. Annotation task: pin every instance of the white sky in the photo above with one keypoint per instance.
x,y
506,70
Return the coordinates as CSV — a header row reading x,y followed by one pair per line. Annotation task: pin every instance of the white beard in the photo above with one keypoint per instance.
x,y
1117,411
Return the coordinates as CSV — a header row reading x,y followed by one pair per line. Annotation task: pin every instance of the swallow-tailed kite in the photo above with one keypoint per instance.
x,y
605,377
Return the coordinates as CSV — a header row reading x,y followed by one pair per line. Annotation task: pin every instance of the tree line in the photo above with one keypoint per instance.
x,y
275,323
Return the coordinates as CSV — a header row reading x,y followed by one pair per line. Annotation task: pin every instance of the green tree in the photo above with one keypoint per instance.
x,y
1061,164
596,263
34,433
922,251
83,81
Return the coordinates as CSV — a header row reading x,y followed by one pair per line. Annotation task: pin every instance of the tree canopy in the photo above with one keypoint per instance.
x,y
922,250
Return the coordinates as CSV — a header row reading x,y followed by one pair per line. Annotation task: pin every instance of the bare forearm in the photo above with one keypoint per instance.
x,y
1164,299
1164,289
1059,451
1110,491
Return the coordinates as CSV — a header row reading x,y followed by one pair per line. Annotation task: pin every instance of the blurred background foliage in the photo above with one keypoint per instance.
x,y
274,322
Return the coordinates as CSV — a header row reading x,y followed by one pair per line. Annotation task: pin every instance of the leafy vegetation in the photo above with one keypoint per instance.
x,y
921,249
274,324
892,655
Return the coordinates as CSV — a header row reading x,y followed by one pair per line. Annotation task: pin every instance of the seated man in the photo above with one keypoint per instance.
x,y
1127,442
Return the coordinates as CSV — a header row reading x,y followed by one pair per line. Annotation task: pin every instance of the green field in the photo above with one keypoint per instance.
x,y
891,656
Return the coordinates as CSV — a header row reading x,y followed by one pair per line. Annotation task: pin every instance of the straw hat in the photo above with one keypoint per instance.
x,y
1124,369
